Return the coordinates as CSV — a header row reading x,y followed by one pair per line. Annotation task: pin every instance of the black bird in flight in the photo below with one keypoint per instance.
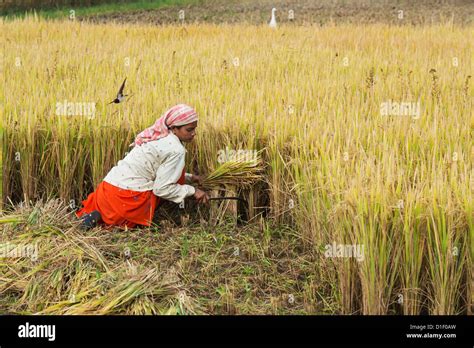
x,y
120,96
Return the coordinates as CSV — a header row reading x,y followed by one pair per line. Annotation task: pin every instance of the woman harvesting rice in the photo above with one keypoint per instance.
x,y
153,170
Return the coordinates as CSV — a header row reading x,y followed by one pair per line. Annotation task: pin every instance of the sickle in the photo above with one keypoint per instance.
x,y
234,198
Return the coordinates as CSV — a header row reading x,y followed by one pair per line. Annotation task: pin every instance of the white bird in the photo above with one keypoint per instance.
x,y
273,22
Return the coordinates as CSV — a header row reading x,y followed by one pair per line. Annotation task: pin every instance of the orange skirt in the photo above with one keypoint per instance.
x,y
120,207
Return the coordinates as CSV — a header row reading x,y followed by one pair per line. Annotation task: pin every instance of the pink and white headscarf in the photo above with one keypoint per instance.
x,y
178,115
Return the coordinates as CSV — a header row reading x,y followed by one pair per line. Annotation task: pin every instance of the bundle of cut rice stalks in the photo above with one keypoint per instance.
x,y
238,172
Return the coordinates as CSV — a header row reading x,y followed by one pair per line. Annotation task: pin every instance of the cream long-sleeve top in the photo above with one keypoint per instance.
x,y
156,165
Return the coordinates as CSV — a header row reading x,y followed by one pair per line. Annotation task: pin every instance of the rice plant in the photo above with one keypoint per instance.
x,y
334,166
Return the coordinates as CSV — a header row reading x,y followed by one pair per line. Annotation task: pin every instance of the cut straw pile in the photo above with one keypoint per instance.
x,y
49,266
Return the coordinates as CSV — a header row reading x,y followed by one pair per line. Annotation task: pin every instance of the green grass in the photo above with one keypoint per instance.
x,y
64,11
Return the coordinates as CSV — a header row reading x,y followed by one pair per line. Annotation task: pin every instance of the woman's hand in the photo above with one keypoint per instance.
x,y
197,178
201,196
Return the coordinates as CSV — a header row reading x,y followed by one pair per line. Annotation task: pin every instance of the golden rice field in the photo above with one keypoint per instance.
x,y
338,171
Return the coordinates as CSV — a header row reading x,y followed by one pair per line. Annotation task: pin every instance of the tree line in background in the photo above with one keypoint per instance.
x,y
44,4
